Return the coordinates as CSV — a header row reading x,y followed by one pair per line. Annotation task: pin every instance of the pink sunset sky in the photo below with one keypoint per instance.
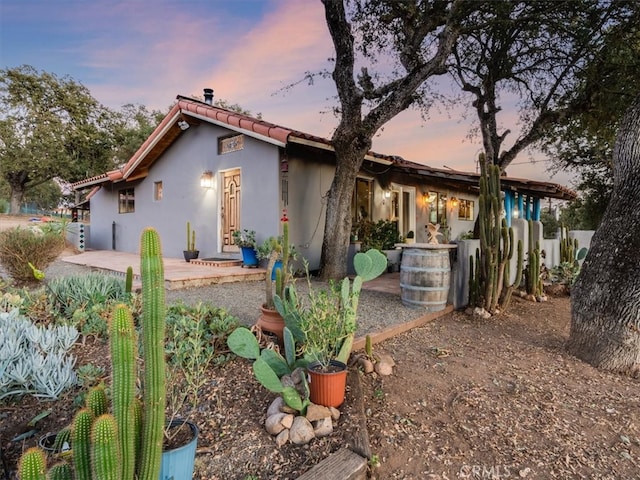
x,y
147,52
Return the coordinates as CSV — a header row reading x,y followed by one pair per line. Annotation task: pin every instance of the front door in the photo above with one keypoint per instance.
x,y
230,208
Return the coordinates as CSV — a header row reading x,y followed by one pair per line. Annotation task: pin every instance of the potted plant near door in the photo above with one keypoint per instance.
x,y
190,253
324,326
246,241
276,278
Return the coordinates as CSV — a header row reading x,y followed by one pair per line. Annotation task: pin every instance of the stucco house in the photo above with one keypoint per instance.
x,y
221,171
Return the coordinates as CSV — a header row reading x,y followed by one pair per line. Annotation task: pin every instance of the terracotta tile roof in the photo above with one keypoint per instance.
x,y
193,111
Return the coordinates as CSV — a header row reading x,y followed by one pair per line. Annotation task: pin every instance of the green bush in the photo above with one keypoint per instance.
x,y
381,235
38,245
85,301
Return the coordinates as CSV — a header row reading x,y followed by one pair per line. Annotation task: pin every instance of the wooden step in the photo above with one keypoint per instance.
x,y
341,465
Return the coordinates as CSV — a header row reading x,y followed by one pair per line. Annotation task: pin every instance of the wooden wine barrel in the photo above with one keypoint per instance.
x,y
425,274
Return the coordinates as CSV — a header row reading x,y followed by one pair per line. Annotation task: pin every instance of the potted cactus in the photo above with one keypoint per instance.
x,y
324,326
127,442
190,253
279,275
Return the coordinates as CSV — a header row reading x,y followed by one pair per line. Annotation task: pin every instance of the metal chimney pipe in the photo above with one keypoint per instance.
x,y
208,96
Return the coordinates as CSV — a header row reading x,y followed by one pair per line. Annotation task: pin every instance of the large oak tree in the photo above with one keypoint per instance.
x,y
419,36
529,63
50,127
605,322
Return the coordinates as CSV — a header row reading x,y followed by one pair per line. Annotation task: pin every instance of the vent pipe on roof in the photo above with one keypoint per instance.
x,y
208,96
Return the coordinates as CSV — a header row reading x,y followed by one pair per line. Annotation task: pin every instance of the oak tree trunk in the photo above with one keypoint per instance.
x,y
605,321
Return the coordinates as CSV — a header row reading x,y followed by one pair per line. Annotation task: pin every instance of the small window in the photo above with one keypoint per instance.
x,y
438,209
465,210
361,200
126,200
157,191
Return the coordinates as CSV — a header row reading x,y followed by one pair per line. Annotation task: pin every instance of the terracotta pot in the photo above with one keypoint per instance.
x,y
271,321
327,388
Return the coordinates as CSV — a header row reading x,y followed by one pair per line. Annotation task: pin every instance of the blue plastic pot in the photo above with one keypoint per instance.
x,y
276,266
249,257
177,464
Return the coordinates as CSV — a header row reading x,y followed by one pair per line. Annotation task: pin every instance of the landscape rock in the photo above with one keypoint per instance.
x,y
276,406
282,438
323,427
273,424
366,365
335,413
287,420
317,412
383,368
481,312
301,431
386,358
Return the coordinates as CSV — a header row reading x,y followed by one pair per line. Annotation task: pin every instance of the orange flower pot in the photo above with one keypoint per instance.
x,y
327,388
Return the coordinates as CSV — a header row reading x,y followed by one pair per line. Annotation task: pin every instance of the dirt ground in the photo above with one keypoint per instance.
x,y
469,399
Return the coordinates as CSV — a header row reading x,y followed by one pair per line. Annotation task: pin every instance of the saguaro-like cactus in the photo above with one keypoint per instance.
x,y
108,446
153,332
533,280
496,245
567,246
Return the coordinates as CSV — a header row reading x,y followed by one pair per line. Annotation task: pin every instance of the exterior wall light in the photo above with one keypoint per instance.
x,y
206,179
183,124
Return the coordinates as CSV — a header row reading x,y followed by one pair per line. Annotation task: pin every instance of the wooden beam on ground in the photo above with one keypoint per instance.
x,y
377,337
341,465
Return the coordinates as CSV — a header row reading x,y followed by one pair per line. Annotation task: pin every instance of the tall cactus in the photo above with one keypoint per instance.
x,y
533,280
279,248
108,446
123,359
567,246
496,244
153,332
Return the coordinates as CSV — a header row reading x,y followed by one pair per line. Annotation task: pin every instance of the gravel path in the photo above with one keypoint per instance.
x,y
376,310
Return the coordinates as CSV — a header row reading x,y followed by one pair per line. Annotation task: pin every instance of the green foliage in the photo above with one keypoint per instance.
x,y
380,235
244,238
550,225
324,325
85,301
38,245
35,359
270,367
51,128
197,337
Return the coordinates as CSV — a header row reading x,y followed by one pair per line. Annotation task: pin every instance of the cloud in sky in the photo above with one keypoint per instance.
x,y
246,50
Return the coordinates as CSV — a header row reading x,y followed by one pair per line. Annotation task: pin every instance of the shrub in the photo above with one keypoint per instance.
x,y
35,359
36,245
381,235
86,301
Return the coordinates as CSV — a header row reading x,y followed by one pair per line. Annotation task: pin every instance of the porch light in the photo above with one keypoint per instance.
x,y
454,202
206,179
387,194
183,124
428,197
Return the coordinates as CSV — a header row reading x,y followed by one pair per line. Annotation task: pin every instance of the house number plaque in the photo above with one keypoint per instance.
x,y
231,144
